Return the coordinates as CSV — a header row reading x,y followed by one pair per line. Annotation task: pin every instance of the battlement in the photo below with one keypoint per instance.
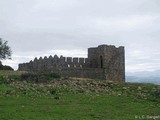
x,y
53,62
103,62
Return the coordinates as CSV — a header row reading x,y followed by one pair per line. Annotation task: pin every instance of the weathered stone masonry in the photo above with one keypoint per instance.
x,y
103,62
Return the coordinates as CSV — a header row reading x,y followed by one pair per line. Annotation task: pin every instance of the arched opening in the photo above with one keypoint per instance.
x,y
101,61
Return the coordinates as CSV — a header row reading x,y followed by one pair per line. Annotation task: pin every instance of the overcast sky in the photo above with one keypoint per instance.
x,y
35,28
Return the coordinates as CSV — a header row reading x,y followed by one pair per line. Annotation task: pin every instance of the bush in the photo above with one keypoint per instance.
x,y
39,77
6,79
5,67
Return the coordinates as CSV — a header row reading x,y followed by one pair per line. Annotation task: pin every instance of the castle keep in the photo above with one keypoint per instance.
x,y
104,62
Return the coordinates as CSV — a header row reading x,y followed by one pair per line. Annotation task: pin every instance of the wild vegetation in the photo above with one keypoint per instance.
x,y
40,96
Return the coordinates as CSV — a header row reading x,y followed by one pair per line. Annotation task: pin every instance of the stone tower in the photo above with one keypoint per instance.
x,y
110,59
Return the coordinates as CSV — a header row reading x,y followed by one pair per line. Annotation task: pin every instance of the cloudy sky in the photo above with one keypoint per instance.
x,y
37,28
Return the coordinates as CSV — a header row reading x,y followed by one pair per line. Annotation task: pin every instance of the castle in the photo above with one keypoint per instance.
x,y
105,62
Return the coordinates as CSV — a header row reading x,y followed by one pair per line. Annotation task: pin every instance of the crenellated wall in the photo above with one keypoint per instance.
x,y
103,62
50,63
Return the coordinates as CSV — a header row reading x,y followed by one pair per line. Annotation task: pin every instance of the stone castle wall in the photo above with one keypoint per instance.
x,y
52,63
103,62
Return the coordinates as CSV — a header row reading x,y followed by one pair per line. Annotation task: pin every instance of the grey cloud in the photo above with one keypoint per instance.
x,y
41,26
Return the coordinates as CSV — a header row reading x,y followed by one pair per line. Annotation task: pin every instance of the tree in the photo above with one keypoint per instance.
x,y
5,51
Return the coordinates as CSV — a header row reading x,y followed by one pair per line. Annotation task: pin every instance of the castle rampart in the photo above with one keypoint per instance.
x,y
103,62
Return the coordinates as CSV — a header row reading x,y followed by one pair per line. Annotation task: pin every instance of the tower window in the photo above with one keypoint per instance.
x,y
101,61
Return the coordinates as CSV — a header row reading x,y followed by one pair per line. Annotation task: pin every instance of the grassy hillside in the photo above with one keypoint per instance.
x,y
75,98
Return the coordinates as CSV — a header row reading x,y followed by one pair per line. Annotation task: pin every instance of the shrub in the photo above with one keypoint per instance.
x,y
5,67
39,77
6,79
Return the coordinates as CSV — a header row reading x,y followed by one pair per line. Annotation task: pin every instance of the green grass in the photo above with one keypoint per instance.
x,y
78,99
75,106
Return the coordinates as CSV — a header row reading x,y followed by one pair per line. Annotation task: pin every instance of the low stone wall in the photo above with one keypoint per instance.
x,y
95,73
